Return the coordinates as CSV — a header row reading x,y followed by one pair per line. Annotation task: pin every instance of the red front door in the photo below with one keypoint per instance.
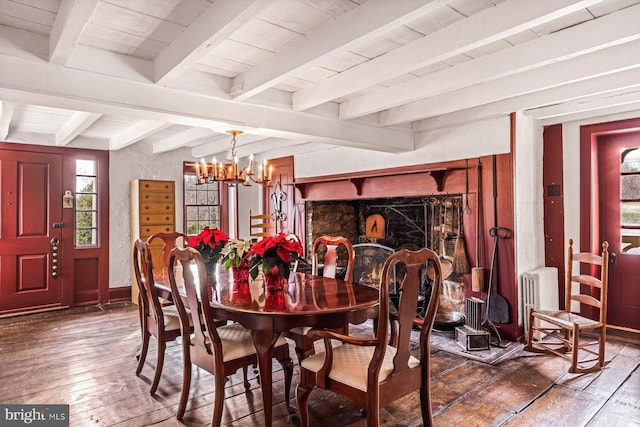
x,y
620,224
31,203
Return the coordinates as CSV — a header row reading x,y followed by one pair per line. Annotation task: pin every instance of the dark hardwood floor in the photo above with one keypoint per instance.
x,y
85,357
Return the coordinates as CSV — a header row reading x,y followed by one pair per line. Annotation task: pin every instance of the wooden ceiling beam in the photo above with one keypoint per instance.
x,y
67,27
363,23
211,28
6,114
556,95
607,61
607,31
136,133
60,87
481,29
77,124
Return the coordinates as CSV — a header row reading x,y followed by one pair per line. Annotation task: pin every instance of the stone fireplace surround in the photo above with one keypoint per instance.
x,y
472,178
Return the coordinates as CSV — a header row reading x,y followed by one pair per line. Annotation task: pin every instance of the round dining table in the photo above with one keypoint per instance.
x,y
305,300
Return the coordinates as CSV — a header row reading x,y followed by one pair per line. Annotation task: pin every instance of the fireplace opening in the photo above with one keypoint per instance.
x,y
397,223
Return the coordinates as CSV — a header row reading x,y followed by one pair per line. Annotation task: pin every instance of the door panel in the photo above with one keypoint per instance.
x,y
31,202
620,223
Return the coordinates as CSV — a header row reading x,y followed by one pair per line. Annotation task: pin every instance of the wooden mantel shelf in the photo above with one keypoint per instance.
x,y
358,180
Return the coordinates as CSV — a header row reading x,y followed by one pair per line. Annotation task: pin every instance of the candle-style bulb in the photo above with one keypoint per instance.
x,y
205,169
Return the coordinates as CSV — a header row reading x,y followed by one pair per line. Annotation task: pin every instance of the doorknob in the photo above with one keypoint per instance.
x,y
613,257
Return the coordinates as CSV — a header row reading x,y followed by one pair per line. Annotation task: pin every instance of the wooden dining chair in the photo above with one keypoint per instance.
x,y
303,344
220,350
562,332
262,225
169,241
377,370
156,320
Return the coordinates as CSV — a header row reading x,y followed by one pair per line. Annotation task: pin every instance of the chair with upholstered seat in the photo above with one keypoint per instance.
x,y
156,320
377,370
220,350
562,331
303,344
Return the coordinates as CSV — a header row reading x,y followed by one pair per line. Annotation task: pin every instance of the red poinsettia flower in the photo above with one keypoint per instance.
x,y
270,252
209,243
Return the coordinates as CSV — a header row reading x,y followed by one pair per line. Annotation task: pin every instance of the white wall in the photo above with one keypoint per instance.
x,y
136,162
528,198
460,142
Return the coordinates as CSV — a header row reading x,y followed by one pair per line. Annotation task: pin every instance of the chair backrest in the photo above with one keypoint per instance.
x,y
369,259
148,296
263,225
584,292
408,267
188,276
169,241
331,256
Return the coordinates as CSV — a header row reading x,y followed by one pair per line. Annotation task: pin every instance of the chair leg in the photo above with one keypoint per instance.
x,y
373,412
142,356
218,400
302,398
425,405
601,346
156,379
186,385
245,370
575,346
287,367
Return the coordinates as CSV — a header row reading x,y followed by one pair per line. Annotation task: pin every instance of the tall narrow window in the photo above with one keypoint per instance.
x,y
202,203
630,201
86,203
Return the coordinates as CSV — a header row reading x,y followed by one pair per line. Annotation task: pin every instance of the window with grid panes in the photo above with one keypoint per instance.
x,y
86,203
203,204
630,200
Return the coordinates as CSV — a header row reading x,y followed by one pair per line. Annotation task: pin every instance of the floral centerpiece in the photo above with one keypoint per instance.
x,y
234,252
273,255
209,243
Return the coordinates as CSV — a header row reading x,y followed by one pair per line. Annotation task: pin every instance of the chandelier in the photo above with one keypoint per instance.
x,y
231,173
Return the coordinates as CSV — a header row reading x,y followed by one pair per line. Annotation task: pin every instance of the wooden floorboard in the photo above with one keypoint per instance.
x,y
85,357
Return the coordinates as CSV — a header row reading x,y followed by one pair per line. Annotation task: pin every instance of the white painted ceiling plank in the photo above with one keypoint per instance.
x,y
6,113
112,64
557,95
73,89
352,29
67,27
136,133
596,34
215,25
23,44
181,139
78,123
483,28
606,61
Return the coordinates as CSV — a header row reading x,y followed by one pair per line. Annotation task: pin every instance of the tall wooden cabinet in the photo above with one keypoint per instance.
x,y
153,210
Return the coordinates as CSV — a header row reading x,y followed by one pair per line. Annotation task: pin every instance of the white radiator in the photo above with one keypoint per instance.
x,y
540,291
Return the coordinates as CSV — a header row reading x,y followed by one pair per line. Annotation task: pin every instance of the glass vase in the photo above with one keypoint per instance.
x,y
274,280
241,294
